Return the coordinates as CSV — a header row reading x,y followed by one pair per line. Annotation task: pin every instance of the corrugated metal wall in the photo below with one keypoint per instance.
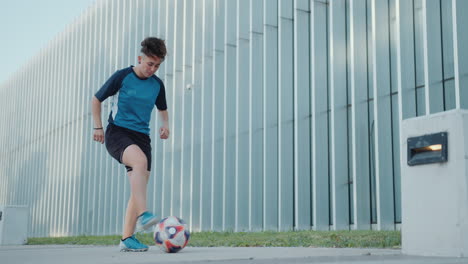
x,y
284,114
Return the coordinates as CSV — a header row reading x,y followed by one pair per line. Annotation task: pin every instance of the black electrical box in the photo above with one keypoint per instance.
x,y
427,149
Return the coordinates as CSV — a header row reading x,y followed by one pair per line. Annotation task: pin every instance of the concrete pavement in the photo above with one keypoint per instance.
x,y
51,254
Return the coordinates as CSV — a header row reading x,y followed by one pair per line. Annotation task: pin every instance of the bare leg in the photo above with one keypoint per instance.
x,y
138,178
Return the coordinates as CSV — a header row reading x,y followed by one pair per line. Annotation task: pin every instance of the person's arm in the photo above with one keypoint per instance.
x,y
164,130
98,134
110,87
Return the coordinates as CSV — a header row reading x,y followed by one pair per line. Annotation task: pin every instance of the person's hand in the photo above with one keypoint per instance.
x,y
98,135
164,132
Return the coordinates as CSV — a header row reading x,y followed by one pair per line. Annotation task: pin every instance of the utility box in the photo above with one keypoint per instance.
x,y
13,225
434,184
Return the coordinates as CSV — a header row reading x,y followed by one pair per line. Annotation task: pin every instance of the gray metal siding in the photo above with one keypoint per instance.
x,y
284,114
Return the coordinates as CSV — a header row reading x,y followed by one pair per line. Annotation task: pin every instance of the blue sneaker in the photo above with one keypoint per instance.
x,y
145,221
132,244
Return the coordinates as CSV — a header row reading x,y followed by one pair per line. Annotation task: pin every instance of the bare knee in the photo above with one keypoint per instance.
x,y
140,166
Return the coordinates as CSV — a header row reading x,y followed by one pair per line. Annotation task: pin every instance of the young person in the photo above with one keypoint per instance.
x,y
136,90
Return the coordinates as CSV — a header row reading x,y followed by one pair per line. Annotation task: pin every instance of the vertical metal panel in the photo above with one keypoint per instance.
x,y
405,59
160,170
41,169
47,122
270,116
256,131
114,175
29,157
419,57
371,122
433,56
41,206
93,159
359,115
449,93
105,162
382,115
176,113
159,146
97,169
57,135
122,190
460,42
71,131
242,117
48,191
139,23
77,128
174,84
447,54
206,116
230,84
349,117
99,211
169,81
396,159
188,157
86,159
339,133
405,72
52,113
38,197
302,183
65,191
285,115
319,102
127,57
50,197
218,115
186,109
395,108
196,118
84,174
70,106
77,164
115,169
112,171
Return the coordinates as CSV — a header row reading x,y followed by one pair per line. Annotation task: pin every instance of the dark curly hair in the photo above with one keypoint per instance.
x,y
154,47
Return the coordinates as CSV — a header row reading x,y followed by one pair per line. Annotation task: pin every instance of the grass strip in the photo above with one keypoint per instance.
x,y
333,239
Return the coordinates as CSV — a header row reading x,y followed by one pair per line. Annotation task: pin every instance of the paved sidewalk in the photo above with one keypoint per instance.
x,y
110,254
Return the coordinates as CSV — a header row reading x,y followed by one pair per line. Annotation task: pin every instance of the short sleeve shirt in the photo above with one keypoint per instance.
x,y
133,99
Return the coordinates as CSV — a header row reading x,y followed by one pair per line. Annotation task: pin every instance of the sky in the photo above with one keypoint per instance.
x,y
27,26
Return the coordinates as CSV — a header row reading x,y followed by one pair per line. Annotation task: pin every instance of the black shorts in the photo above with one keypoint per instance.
x,y
118,138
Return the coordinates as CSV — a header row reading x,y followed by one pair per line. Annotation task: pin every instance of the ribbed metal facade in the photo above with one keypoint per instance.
x,y
284,114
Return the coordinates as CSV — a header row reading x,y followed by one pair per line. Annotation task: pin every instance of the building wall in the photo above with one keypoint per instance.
x,y
284,114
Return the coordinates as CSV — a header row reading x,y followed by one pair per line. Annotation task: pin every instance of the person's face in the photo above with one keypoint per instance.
x,y
149,65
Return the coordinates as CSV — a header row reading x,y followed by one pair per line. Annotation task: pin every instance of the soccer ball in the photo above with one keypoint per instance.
x,y
171,234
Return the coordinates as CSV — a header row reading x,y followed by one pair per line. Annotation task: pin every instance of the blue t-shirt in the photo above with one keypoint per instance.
x,y
134,99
